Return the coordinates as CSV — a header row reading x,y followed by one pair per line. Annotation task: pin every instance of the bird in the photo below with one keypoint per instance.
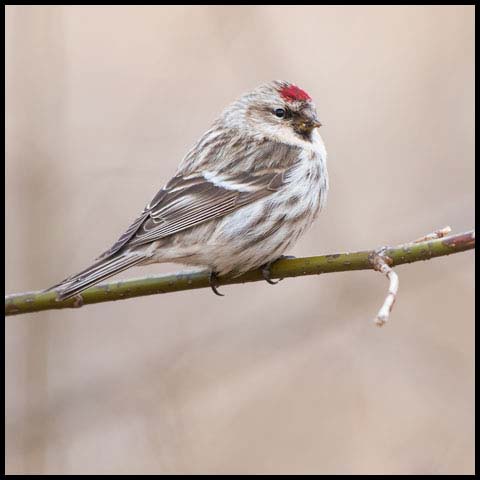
x,y
242,196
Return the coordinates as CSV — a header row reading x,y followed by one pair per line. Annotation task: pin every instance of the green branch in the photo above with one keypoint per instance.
x,y
338,262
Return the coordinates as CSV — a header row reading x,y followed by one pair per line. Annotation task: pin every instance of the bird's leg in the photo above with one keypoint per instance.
x,y
266,270
213,279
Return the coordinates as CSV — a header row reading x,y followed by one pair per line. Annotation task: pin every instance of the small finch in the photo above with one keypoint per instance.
x,y
243,195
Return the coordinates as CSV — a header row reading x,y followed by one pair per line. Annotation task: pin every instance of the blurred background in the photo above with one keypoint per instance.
x,y
101,105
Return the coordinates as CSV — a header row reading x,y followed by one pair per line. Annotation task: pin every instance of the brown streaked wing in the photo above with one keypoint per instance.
x,y
201,201
190,200
123,240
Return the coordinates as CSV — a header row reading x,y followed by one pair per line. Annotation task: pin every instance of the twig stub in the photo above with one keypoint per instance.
x,y
381,263
440,233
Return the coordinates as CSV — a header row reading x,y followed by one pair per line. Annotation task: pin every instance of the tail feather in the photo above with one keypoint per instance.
x,y
99,271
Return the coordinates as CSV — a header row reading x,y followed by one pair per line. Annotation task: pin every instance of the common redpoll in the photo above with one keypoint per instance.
x,y
243,195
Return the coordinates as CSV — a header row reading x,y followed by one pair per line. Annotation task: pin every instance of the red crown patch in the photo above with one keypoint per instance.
x,y
293,93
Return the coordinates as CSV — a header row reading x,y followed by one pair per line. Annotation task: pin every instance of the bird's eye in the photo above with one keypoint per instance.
x,y
280,112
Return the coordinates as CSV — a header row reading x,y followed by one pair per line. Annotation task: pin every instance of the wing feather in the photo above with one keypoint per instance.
x,y
201,202
190,200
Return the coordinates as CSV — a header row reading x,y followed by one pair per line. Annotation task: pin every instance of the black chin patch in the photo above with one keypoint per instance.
x,y
304,135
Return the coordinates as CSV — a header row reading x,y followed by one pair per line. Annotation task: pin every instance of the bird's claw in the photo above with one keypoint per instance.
x,y
266,274
213,279
286,257
266,270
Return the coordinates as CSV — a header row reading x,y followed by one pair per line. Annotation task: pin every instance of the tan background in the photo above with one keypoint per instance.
x,y
102,103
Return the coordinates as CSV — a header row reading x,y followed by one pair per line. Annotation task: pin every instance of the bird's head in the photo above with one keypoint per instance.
x,y
279,110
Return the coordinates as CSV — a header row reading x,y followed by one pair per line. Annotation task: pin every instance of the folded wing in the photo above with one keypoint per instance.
x,y
188,201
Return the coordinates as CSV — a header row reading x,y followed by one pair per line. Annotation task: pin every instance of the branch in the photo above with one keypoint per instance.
x,y
422,249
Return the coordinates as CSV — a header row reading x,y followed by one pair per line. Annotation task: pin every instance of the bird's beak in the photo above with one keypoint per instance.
x,y
307,122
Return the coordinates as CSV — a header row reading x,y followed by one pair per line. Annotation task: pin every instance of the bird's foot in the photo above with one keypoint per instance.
x,y
214,284
266,270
